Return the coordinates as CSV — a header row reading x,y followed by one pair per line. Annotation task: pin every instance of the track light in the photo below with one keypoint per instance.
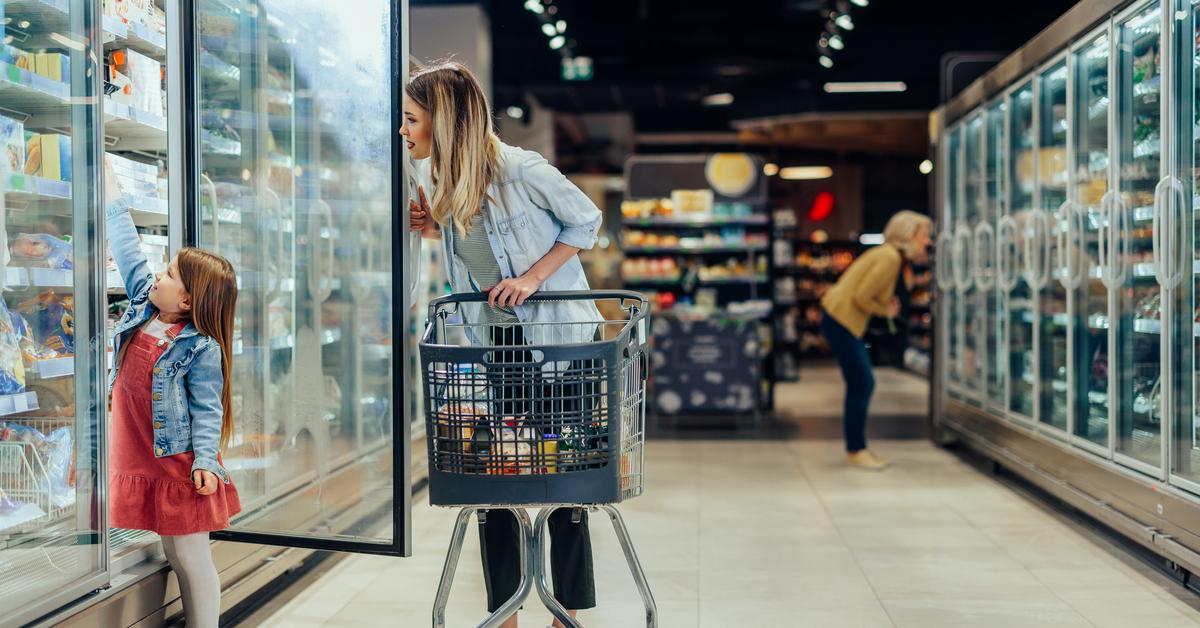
x,y
558,42
826,61
561,26
515,112
860,3
836,42
549,30
535,6
844,22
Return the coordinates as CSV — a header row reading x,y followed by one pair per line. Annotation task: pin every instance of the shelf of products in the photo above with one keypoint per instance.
x,y
805,268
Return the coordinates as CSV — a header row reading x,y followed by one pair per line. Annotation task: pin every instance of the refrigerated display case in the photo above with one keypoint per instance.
x,y
237,136
1096,346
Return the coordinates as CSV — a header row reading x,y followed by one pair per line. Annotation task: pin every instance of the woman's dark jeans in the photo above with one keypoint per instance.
x,y
851,354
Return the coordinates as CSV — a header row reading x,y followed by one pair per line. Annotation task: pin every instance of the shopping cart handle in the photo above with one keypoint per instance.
x,y
562,295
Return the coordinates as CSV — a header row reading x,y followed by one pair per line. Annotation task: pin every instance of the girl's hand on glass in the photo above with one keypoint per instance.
x,y
513,292
206,481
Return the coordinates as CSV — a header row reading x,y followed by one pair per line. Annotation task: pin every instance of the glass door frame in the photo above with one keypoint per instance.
x,y
1046,259
401,278
1085,42
945,250
1116,88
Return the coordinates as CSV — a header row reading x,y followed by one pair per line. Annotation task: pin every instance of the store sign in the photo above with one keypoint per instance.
x,y
577,69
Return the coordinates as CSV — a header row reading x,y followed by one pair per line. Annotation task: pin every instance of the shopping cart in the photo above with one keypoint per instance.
x,y
548,415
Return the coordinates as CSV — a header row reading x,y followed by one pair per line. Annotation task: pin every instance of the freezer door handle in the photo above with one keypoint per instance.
x,y
1177,254
1158,247
985,267
962,261
1006,231
1104,238
944,262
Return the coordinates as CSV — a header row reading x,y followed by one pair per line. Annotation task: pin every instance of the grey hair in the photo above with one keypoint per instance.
x,y
902,231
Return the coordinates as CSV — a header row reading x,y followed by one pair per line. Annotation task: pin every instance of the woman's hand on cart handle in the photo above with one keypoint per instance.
x,y
513,292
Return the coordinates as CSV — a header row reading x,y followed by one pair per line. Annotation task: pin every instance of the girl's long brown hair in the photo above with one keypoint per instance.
x,y
210,280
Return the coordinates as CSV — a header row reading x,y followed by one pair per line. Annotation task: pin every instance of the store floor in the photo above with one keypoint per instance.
x,y
778,532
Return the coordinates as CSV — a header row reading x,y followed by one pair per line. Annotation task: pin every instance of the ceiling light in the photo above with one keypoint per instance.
x,y
823,42
23,23
861,3
515,112
836,42
770,169
548,28
826,61
864,87
926,167
806,173
844,22
561,26
558,42
535,6
717,100
871,239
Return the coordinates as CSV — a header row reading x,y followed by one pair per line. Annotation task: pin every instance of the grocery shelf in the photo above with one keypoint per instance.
x,y
24,91
697,250
52,368
148,211
134,129
652,281
214,67
20,402
135,36
703,221
30,188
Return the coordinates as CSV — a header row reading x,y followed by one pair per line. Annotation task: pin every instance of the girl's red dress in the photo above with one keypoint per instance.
x,y
147,492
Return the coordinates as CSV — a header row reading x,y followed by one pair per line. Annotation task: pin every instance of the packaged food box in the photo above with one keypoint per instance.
x,y
145,77
12,142
52,65
48,155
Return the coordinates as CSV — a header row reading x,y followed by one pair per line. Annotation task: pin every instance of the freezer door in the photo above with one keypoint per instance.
x,y
52,429
994,203
1139,102
948,252
299,186
1022,254
974,357
1091,295
1052,211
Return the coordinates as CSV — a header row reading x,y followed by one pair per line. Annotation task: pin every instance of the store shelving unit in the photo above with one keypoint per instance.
x,y
804,270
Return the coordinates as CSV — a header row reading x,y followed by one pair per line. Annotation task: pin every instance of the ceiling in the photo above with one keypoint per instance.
x,y
658,58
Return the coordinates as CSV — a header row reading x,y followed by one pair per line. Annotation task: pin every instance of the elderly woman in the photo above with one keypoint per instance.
x,y
863,291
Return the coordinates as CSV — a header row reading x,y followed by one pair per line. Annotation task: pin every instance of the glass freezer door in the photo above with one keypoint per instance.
x,y
297,158
1017,235
993,315
1186,459
968,234
1052,174
948,252
1092,195
52,509
1131,266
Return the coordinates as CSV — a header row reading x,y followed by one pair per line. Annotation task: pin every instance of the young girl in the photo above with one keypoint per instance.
x,y
511,224
171,410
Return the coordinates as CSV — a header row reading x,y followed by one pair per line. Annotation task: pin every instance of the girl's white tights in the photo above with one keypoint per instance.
x,y
191,558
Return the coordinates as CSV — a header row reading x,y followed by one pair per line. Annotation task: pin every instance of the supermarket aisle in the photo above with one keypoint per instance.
x,y
778,533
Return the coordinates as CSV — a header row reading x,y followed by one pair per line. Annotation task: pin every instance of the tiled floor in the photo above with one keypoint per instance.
x,y
750,533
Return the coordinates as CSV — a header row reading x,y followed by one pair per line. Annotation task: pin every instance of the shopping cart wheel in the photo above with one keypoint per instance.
x,y
524,588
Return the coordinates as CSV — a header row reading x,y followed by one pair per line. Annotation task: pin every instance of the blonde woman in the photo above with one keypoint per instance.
x,y
866,290
511,224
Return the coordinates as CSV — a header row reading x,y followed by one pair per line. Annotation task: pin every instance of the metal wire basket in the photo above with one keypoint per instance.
x,y
536,413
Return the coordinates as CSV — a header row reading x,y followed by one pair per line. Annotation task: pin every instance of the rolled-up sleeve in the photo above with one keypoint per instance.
x,y
553,192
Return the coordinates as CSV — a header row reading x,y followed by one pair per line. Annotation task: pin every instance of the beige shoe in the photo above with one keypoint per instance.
x,y
867,459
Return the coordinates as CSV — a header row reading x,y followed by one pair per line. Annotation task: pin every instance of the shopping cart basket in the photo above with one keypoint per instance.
x,y
548,415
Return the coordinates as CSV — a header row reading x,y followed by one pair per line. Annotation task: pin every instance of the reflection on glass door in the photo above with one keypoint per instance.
x,y
51,269
1091,99
1139,123
973,356
1022,159
993,319
948,252
1052,175
295,188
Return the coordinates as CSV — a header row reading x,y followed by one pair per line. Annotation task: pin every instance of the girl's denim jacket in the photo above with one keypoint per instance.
x,y
186,394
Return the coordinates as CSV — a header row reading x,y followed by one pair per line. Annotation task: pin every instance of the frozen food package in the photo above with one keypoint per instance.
x,y
52,317
12,142
42,250
12,360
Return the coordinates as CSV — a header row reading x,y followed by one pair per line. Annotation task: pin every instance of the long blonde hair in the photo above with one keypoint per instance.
x,y
465,152
210,280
